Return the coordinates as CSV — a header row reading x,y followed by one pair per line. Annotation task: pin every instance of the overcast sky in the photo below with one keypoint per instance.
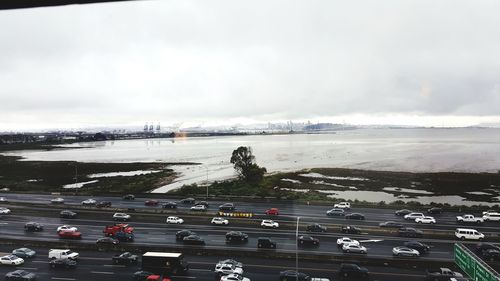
x,y
222,62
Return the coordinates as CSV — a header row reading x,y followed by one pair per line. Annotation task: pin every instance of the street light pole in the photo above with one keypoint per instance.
x,y
206,167
297,249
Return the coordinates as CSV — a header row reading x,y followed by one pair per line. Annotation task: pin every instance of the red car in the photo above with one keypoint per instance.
x,y
273,211
157,278
111,230
70,234
151,203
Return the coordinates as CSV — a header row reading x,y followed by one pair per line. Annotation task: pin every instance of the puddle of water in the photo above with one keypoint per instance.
x,y
78,184
332,184
292,181
407,190
123,174
478,193
295,189
321,176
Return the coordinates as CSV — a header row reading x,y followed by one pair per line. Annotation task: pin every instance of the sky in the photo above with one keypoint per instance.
x,y
202,63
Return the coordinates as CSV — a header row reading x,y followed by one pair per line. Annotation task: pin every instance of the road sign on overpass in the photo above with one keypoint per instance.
x,y
471,264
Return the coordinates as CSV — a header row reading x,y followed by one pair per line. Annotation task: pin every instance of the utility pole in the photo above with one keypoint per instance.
x,y
297,249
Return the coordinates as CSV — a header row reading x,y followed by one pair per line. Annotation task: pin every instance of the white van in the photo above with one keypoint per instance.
x,y
62,254
469,234
491,217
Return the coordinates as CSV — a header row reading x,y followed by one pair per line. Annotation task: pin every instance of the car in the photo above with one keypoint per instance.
x,y
103,204
11,260
292,275
62,263
20,275
24,253
227,207
266,242
219,221
126,258
468,218
335,212
193,240
70,234
491,255
353,248
151,202
107,241
410,232
198,208
33,227
190,201
67,214
342,205
469,234
390,224
355,216
403,212
128,197
141,275
492,217
352,271
89,202
156,277
57,200
66,227
62,254
307,240
316,227
124,236
226,268
435,210
346,240
231,261
174,220
4,211
169,205
272,212
420,247
203,203
426,220
183,233
489,211
405,251
413,216
121,217
3,200
236,236
233,277
480,247
349,229
269,224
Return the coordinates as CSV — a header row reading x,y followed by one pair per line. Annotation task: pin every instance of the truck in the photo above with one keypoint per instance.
x,y
111,230
442,273
469,219
62,254
162,263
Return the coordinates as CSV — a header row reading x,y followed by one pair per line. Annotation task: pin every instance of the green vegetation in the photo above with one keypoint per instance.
x,y
244,164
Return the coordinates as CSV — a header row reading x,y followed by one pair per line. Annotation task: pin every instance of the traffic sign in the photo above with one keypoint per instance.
x,y
473,266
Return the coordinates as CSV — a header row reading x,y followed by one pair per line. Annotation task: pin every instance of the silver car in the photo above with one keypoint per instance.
x,y
353,248
405,251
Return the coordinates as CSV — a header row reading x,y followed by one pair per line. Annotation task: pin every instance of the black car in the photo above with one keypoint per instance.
x,y
20,275
67,214
420,247
236,236
103,204
390,224
491,255
349,229
128,197
227,207
169,205
142,275
410,232
107,241
292,275
183,233
316,227
434,211
62,263
307,240
481,247
193,240
124,236
33,227
355,216
402,212
190,201
352,271
265,242
126,258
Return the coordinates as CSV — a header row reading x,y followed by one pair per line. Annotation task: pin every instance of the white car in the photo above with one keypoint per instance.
x,y
66,227
405,251
234,277
491,216
269,224
342,205
346,240
121,217
219,220
489,211
353,248
89,202
174,220
413,216
57,200
426,220
4,210
11,260
231,261
3,199
199,208
226,268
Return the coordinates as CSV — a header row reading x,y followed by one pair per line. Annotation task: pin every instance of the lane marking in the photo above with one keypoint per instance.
x,y
62,278
102,272
27,268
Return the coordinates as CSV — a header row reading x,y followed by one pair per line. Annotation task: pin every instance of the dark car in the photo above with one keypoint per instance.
x,y
390,224
420,247
349,229
402,212
355,216
236,236
24,253
481,247
126,258
62,263
103,204
124,236
491,255
142,275
307,240
316,227
183,233
335,213
190,201
204,203
434,211
265,242
352,271
33,227
169,205
151,202
107,241
20,275
67,214
292,275
193,240
128,197
410,232
227,207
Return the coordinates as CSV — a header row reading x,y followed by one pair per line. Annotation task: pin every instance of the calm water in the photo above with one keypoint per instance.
x,y
417,150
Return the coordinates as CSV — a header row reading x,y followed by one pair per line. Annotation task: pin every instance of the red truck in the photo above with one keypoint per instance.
x,y
70,234
112,230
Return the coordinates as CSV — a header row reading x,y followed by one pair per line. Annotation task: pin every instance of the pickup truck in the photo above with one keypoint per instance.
x,y
469,219
442,273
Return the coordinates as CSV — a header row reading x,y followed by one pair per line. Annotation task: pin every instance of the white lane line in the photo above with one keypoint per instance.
x,y
113,265
102,272
27,268
4,223
185,277
40,262
61,278
203,270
